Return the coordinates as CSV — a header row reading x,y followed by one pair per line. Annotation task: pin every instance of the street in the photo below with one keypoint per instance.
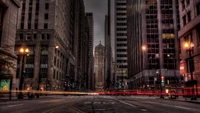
x,y
98,104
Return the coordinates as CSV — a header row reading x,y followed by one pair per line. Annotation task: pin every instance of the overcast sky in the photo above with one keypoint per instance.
x,y
99,10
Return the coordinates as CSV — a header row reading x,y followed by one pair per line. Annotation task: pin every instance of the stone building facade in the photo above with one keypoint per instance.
x,y
8,24
44,27
190,33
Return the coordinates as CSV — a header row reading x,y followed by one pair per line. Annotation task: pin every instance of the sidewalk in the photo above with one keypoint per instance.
x,y
184,99
15,98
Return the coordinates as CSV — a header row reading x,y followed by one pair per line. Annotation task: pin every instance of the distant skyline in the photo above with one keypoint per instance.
x,y
99,10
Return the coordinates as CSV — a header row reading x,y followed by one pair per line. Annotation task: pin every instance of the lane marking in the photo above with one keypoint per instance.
x,y
181,107
75,109
143,109
15,105
99,109
127,104
47,101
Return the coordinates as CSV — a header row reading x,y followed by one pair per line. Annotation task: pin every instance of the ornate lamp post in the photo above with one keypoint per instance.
x,y
189,47
23,52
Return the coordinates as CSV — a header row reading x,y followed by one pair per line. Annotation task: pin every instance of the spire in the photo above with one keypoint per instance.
x,y
100,42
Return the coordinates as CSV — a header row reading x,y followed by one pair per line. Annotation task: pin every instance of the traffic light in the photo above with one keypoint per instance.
x,y
162,79
65,84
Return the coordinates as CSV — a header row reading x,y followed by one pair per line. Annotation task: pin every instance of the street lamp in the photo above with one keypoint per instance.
x,y
144,49
189,47
23,52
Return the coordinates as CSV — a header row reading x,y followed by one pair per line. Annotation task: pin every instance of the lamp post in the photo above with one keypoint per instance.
x,y
144,48
23,52
189,47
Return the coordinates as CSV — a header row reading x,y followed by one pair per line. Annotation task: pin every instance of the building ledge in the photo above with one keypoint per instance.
x,y
193,23
17,3
8,53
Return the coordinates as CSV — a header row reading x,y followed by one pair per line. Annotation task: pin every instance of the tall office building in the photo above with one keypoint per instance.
x,y
153,45
190,33
91,38
108,53
99,57
118,35
8,26
44,27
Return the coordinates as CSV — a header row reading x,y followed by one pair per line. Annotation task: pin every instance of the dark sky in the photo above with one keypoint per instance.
x,y
99,10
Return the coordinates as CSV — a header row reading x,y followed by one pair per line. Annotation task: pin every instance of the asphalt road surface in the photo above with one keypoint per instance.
x,y
98,104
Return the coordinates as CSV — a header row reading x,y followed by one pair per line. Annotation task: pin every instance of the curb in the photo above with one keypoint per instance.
x,y
195,102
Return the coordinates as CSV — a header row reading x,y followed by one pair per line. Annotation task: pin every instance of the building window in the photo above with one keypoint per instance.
x,y
36,26
43,36
29,26
198,35
35,36
188,2
48,36
184,20
198,9
21,36
189,16
54,73
45,26
46,16
28,37
46,5
22,25
183,4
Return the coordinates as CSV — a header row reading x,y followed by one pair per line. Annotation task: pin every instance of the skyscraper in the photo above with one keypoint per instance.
x,y
118,34
44,27
153,45
99,56
91,38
